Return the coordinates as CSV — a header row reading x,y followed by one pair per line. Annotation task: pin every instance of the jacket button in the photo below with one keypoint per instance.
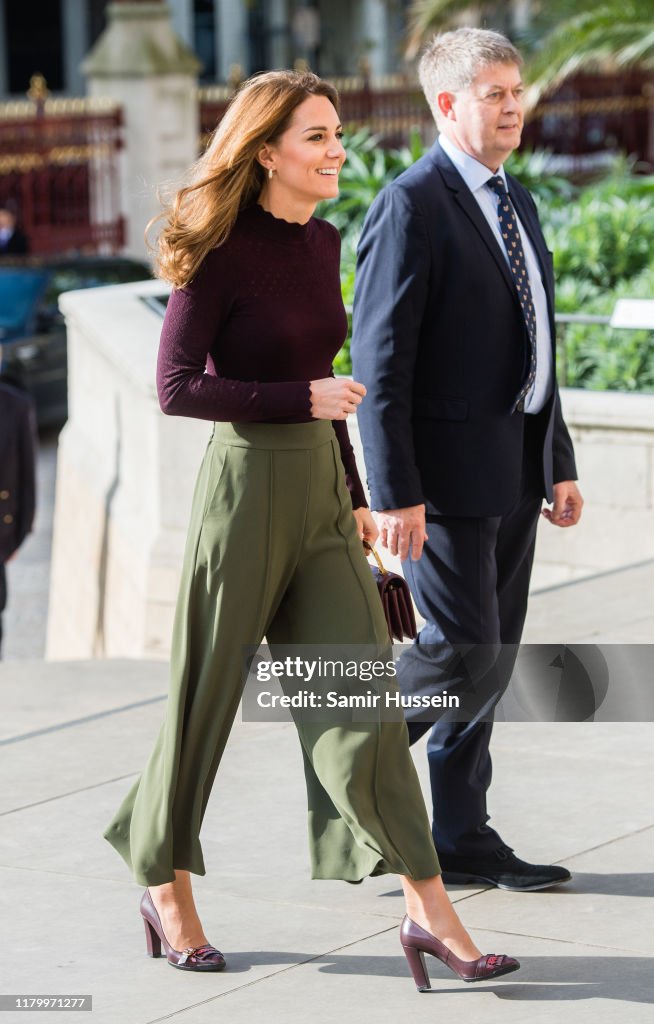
x,y
4,495
7,519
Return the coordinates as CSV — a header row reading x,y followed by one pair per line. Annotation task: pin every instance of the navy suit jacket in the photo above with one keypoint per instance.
x,y
17,468
440,343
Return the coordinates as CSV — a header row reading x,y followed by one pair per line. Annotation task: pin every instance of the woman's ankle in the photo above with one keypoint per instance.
x,y
177,892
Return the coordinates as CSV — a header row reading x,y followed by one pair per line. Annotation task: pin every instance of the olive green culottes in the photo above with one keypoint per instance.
x,y
272,551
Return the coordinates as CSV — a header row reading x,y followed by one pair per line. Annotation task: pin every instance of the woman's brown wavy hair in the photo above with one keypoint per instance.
x,y
228,176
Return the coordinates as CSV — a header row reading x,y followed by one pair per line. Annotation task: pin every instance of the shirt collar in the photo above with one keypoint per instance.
x,y
472,171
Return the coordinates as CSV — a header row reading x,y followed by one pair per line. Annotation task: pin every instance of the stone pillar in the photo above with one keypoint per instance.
x,y
140,62
181,13
75,33
232,42
279,35
374,31
339,46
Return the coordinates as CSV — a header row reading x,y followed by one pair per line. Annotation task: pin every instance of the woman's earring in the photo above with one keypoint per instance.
x,y
270,173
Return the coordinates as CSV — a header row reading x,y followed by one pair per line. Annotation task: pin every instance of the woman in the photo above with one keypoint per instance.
x,y
274,546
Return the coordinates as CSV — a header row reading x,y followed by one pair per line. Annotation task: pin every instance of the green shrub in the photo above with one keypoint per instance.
x,y
599,357
531,168
367,169
605,239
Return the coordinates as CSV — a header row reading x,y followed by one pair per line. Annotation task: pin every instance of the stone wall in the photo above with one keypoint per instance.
x,y
613,434
125,475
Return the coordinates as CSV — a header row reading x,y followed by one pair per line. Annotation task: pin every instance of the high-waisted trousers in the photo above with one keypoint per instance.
x,y
273,551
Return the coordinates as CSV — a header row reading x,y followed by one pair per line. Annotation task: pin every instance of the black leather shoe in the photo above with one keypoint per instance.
x,y
502,869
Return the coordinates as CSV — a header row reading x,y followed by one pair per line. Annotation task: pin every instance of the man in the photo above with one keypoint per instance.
x,y
12,240
453,337
17,476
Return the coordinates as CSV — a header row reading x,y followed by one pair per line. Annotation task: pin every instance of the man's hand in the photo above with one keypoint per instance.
x,y
366,525
402,530
567,505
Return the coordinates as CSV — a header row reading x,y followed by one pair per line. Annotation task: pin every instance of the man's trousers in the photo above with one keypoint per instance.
x,y
471,586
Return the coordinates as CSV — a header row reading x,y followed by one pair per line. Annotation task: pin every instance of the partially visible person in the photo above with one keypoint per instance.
x,y
13,241
17,476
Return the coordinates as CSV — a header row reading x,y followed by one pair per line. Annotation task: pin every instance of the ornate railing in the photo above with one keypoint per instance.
x,y
391,106
586,115
58,170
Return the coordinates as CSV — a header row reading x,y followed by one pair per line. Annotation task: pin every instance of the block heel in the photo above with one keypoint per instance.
x,y
416,941
152,940
416,961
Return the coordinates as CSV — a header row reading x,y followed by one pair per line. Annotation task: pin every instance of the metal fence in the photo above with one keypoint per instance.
x,y
59,171
392,106
588,114
592,114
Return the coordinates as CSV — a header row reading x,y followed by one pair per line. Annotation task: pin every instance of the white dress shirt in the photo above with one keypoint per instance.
x,y
475,176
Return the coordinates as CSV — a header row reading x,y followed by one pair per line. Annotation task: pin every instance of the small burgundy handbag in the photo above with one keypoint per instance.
x,y
395,598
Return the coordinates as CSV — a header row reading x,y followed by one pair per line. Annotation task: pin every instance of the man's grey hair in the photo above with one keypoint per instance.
x,y
452,60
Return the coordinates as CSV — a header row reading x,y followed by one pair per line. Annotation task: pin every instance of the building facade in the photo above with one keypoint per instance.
x,y
228,35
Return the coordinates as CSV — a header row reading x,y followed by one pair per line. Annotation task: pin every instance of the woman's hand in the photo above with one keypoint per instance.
x,y
366,525
335,398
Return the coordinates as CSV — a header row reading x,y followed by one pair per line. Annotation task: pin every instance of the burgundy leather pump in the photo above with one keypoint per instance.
x,y
416,941
196,958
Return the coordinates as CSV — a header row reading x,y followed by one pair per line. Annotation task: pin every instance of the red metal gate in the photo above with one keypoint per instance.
x,y
392,106
59,171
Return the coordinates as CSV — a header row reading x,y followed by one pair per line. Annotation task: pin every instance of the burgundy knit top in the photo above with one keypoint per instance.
x,y
262,318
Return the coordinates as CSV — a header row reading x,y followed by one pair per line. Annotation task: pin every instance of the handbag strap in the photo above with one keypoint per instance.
x,y
369,549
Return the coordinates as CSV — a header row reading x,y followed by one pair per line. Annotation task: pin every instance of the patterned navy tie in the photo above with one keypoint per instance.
x,y
517,263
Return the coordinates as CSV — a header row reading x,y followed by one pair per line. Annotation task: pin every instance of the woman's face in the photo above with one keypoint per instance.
x,y
307,158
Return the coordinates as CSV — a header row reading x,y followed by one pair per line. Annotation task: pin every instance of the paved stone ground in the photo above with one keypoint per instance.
x,y
74,736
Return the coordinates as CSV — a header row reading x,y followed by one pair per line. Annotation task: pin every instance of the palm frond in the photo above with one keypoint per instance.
x,y
425,16
592,39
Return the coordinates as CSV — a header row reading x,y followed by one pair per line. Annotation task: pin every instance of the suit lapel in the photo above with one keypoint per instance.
x,y
529,223
532,227
467,202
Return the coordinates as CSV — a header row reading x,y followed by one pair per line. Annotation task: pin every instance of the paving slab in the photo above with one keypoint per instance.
x,y
610,607
563,787
299,949
40,695
86,936
369,980
608,903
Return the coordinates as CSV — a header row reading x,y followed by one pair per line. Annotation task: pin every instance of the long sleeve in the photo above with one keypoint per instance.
x,y
563,456
389,298
192,325
352,478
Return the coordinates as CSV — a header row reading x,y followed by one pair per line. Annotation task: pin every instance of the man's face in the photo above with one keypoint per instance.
x,y
485,120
